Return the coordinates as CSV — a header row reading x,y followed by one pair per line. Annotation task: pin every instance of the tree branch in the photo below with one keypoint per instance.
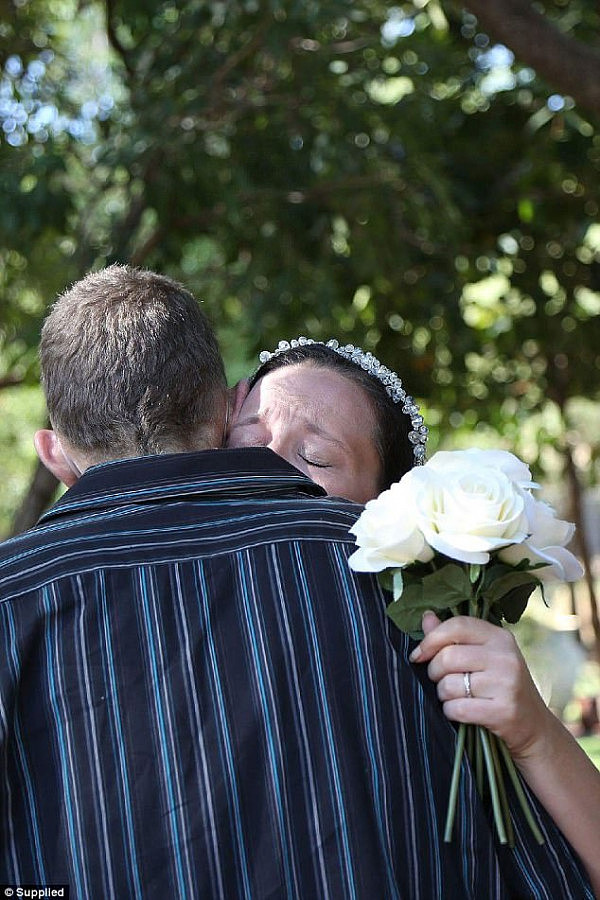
x,y
11,381
39,495
569,65
113,38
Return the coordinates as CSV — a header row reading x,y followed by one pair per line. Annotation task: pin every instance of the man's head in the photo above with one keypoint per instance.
x,y
130,367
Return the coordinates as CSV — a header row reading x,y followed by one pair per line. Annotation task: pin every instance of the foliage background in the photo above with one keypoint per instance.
x,y
420,178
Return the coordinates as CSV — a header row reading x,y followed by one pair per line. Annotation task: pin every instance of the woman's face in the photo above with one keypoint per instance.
x,y
318,421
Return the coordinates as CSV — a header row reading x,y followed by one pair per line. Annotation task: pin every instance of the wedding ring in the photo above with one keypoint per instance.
x,y
467,683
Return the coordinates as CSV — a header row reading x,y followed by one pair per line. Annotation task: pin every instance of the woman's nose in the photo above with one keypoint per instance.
x,y
281,445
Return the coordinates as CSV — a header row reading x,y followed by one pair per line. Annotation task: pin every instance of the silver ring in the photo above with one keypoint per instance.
x,y
467,683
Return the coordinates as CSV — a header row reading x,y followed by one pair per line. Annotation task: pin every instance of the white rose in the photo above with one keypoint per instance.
x,y
546,543
386,532
501,460
471,502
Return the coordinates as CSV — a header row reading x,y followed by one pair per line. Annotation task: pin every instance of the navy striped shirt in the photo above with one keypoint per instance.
x,y
199,699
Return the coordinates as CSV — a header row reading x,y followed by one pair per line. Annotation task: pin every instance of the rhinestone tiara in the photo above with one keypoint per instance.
x,y
391,382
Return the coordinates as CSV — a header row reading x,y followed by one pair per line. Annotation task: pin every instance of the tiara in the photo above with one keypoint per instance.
x,y
390,381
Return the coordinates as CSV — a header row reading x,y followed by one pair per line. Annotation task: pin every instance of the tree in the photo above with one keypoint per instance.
x,y
384,174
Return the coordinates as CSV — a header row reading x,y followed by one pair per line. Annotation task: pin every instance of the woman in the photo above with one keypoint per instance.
x,y
344,420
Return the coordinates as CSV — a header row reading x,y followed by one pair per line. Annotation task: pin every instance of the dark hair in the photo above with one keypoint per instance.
x,y
393,446
131,366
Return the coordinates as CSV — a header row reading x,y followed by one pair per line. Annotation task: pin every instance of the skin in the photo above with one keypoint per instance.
x,y
313,418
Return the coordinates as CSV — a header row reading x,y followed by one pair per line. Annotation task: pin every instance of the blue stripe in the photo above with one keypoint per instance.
x,y
118,740
266,710
164,747
29,793
430,806
326,722
98,789
61,738
309,790
198,745
225,744
361,662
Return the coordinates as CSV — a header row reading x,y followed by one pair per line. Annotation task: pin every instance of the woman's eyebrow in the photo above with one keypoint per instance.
x,y
314,428
311,427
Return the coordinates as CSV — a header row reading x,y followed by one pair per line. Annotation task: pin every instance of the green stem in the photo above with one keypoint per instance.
x,y
452,799
479,768
502,791
489,764
514,777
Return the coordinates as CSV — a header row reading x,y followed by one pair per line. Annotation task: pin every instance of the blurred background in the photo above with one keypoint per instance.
x,y
419,178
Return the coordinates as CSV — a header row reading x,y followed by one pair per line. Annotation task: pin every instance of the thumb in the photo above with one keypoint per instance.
x,y
430,621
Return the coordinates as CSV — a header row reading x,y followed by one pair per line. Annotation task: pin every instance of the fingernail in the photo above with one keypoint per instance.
x,y
416,653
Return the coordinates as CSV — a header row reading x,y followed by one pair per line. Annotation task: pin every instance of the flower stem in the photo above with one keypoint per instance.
x,y
452,799
479,768
489,764
502,790
514,777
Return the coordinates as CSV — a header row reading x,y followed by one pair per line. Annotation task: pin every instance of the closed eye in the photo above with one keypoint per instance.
x,y
312,462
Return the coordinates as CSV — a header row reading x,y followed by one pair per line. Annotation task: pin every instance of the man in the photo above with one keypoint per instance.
x,y
199,699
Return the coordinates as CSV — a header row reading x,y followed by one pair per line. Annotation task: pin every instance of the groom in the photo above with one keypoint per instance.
x,y
198,698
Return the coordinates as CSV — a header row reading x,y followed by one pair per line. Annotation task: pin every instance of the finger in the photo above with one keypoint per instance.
x,y
430,621
482,706
458,630
459,658
502,661
471,711
480,684
453,687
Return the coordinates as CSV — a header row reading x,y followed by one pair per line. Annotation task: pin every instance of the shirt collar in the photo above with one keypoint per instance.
x,y
220,474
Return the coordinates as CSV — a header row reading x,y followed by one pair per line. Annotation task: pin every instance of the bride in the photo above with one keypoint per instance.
x,y
343,419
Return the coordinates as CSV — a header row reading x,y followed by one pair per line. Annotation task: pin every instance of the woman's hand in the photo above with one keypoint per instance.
x,y
503,696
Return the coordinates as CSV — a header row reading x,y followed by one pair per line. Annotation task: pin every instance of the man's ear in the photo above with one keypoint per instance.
x,y
48,448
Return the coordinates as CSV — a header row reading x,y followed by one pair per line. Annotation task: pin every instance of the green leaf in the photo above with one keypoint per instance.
x,y
407,613
441,591
496,570
386,579
513,605
507,596
447,587
500,587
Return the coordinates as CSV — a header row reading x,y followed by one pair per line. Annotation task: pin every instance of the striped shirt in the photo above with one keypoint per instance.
x,y
199,699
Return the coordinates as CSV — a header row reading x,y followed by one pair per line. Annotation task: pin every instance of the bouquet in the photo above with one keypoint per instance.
x,y
464,535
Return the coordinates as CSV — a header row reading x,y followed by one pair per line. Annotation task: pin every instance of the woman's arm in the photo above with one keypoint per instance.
x,y
505,700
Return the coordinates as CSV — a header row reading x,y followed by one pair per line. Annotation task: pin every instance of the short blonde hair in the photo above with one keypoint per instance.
x,y
130,366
